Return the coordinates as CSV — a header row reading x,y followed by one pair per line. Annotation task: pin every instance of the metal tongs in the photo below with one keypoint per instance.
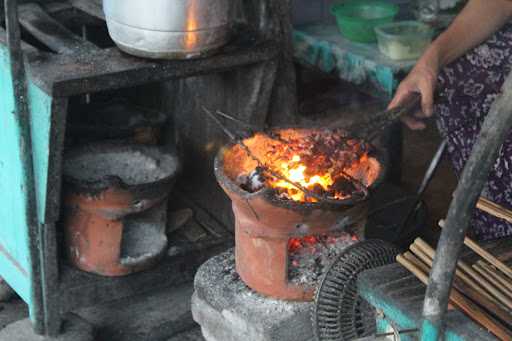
x,y
372,126
368,129
248,129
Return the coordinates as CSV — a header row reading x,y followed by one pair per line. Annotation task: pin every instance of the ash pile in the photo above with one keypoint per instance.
x,y
309,257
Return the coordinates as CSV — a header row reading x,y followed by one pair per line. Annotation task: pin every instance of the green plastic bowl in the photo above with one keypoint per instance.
x,y
357,19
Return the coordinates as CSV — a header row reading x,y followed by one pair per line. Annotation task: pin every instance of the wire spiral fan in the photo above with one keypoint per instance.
x,y
339,313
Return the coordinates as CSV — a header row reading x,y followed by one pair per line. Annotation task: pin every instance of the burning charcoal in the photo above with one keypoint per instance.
x,y
317,189
310,240
253,182
344,186
309,257
315,160
257,179
294,244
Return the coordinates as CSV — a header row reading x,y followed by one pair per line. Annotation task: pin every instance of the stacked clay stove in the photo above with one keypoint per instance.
x,y
300,199
117,182
116,206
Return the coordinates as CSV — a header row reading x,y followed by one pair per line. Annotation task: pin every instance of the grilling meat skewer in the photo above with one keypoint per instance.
x,y
267,169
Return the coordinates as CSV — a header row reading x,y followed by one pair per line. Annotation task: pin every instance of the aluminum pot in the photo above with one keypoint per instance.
x,y
170,29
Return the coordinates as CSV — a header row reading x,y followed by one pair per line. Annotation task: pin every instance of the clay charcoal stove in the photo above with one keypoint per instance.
x,y
299,198
116,204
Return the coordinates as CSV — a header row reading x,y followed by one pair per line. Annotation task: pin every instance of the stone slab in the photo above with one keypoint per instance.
x,y
155,316
74,329
227,310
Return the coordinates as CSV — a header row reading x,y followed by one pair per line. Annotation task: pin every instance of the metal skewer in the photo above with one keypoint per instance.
x,y
238,140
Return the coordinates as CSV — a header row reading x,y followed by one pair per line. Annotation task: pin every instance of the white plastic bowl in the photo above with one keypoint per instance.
x,y
403,40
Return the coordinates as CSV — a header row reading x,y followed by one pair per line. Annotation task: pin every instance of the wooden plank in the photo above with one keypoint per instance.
x,y
50,32
205,219
91,7
482,252
501,248
54,156
494,209
488,257
68,75
467,306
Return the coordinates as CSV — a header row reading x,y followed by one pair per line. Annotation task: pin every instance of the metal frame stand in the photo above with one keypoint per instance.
x,y
244,72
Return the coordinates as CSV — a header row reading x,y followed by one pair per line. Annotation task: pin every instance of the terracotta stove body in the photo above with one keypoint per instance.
x,y
265,224
112,227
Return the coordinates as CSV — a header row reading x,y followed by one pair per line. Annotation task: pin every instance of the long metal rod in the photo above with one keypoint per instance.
x,y
432,167
475,174
22,120
427,178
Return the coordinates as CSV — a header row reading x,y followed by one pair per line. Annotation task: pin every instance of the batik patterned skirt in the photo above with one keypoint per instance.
x,y
467,89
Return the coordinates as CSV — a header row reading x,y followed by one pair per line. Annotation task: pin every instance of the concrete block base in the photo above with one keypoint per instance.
x,y
73,329
227,310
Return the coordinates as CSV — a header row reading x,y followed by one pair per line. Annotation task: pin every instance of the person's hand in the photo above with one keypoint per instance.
x,y
422,79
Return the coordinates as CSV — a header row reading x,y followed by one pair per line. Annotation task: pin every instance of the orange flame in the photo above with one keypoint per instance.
x,y
295,171
309,242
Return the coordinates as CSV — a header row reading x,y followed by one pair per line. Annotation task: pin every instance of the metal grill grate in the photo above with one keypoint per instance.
x,y
339,312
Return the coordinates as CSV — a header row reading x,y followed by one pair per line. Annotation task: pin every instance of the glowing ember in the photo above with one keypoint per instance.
x,y
325,162
294,244
309,257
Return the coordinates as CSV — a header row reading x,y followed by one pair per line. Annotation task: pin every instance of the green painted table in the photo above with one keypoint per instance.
x,y
323,46
398,297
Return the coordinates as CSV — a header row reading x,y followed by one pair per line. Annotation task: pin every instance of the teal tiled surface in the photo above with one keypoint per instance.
x,y
322,46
